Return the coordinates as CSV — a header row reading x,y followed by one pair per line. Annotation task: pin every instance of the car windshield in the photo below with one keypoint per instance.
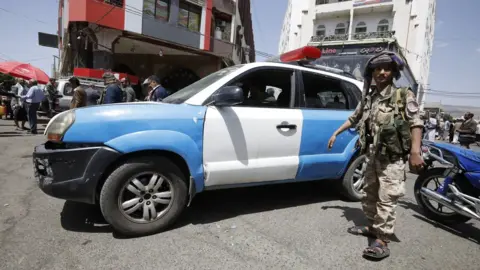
x,y
183,94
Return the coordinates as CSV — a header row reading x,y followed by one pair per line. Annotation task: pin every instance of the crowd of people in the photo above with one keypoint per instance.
x,y
25,97
23,102
116,91
464,131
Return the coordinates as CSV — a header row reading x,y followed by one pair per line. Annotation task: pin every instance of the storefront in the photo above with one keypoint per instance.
x,y
352,58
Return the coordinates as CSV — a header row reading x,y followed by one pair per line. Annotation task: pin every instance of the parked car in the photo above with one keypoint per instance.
x,y
144,162
65,94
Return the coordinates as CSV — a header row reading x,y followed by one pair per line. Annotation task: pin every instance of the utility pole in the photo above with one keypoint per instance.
x,y
55,69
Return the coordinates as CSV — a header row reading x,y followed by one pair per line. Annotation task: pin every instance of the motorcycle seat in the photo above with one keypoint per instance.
x,y
469,159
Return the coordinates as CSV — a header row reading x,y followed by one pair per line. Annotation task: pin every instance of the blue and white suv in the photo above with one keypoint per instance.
x,y
253,124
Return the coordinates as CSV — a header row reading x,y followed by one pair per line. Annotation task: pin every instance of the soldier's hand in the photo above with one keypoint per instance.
x,y
331,141
416,161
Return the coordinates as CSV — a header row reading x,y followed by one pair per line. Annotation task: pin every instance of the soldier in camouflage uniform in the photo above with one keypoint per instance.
x,y
389,125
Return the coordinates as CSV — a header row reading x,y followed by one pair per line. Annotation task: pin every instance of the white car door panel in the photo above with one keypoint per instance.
x,y
244,145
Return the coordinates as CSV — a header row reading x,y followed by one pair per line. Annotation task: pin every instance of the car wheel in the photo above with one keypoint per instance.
x,y
144,196
354,179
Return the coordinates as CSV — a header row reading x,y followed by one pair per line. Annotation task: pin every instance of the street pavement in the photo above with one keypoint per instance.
x,y
291,226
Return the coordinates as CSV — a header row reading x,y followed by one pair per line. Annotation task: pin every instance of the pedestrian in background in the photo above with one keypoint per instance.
x,y
93,95
451,131
32,101
466,132
113,92
441,127
431,127
79,98
17,104
386,146
128,90
446,132
158,92
51,88
477,135
457,125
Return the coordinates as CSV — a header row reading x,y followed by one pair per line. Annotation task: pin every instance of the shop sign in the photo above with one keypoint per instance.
x,y
329,51
352,50
371,50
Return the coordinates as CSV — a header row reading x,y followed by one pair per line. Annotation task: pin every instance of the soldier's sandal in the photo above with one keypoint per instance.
x,y
360,230
377,251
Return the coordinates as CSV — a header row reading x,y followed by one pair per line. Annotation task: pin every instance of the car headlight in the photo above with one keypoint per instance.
x,y
58,125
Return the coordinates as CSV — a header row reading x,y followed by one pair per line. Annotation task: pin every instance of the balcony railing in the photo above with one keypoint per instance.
x,y
221,47
356,36
324,2
329,38
117,3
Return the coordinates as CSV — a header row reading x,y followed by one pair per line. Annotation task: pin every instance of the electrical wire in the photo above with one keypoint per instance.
x,y
8,57
28,18
458,93
452,95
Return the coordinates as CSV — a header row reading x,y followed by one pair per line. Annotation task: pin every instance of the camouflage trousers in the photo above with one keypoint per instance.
x,y
384,185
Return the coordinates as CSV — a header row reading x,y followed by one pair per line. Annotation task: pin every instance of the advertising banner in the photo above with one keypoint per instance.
x,y
353,59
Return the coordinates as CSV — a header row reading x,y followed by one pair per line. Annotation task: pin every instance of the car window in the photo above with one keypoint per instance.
x,y
322,92
184,94
68,89
265,87
355,93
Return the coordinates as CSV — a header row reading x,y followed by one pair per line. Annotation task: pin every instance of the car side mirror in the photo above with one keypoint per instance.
x,y
228,96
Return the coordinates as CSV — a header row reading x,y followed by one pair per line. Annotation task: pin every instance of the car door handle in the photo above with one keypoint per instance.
x,y
289,126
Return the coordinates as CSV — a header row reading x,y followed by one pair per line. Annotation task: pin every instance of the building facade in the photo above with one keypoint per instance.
x,y
181,41
349,32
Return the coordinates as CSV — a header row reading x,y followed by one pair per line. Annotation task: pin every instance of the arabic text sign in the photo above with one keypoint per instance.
x,y
358,3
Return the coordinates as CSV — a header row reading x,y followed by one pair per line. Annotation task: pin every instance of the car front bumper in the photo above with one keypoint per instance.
x,y
72,174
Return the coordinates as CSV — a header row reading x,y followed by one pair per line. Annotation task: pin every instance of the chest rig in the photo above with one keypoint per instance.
x,y
389,133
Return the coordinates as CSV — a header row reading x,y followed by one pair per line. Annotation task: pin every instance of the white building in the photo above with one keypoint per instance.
x,y
350,31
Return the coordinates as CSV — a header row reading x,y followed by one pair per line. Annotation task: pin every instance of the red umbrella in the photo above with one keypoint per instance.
x,y
24,70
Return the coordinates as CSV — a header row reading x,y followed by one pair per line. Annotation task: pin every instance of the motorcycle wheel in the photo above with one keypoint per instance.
x,y
434,213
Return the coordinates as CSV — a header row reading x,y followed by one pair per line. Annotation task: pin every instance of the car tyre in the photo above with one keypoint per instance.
x,y
117,181
348,188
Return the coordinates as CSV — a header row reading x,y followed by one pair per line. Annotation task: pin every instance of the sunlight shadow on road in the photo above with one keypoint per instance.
x,y
358,218
464,230
80,217
213,206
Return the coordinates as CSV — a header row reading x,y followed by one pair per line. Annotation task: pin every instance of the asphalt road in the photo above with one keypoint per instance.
x,y
293,226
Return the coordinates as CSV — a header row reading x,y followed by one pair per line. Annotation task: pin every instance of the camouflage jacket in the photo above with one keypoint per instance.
x,y
378,110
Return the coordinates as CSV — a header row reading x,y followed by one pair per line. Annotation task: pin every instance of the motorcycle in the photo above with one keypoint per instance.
x,y
460,189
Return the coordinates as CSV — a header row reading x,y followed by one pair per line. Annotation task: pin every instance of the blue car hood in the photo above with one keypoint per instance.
x,y
102,123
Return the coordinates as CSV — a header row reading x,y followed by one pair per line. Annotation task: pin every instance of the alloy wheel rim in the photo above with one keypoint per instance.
x,y
428,202
358,178
146,197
